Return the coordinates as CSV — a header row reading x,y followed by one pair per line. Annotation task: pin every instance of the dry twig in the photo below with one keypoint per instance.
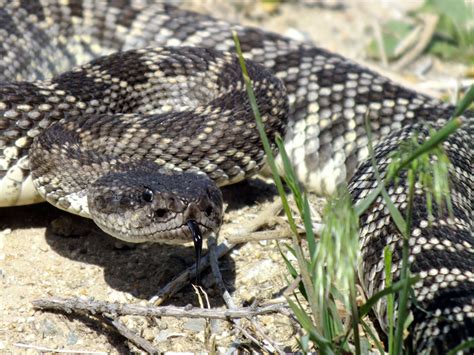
x,y
131,336
380,43
212,246
89,306
222,249
277,234
107,311
430,22
230,302
184,278
68,351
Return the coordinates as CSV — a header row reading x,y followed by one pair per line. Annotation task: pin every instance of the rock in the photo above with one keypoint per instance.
x,y
72,338
259,272
195,324
49,328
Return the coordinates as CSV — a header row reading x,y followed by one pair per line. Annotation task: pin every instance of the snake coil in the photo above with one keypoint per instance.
x,y
180,113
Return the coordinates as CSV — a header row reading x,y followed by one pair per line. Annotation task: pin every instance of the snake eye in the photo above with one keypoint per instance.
x,y
147,195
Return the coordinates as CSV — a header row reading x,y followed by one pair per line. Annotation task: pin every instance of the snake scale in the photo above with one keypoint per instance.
x,y
139,139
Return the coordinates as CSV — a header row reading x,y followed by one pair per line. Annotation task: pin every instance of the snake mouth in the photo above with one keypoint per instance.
x,y
186,232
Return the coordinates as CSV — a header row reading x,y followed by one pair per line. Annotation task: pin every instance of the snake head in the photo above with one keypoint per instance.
x,y
149,204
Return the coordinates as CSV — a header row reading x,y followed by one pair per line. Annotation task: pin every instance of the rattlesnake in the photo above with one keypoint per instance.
x,y
115,116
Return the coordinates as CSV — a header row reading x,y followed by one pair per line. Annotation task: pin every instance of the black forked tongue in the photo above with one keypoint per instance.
x,y
197,239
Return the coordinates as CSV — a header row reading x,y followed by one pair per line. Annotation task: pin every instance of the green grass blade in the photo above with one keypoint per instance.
x,y
394,213
465,102
428,145
290,177
323,343
308,226
387,255
289,265
306,279
355,318
301,200
403,311
397,286
364,204
292,270
263,136
372,335
303,343
465,345
338,326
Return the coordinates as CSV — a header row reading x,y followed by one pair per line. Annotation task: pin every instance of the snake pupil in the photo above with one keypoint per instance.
x,y
147,195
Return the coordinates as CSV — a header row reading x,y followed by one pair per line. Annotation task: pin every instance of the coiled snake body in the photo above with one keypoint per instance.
x,y
136,139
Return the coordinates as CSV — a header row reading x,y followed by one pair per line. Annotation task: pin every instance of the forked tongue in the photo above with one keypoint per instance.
x,y
197,239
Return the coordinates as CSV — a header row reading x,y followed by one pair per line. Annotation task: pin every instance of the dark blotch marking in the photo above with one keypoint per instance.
x,y
7,23
128,14
127,66
183,23
21,93
76,8
200,58
251,38
33,7
81,86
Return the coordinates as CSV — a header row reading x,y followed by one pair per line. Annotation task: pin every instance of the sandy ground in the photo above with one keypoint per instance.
x,y
36,261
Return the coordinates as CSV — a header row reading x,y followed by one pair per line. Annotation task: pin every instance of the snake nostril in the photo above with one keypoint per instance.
x,y
208,210
161,212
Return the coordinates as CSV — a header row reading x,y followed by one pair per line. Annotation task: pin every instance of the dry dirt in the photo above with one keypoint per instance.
x,y
36,261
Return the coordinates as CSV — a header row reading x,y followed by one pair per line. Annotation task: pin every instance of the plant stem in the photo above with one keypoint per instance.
x,y
271,162
355,317
405,272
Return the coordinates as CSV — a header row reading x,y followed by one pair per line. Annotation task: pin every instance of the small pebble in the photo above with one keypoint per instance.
x,y
259,271
195,324
162,336
72,338
149,334
49,328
